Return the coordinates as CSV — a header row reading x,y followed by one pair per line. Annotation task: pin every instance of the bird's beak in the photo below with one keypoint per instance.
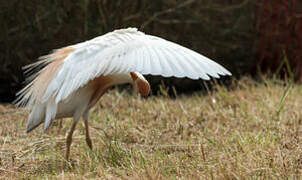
x,y
141,85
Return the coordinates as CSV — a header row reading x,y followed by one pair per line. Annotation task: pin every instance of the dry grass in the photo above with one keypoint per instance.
x,y
253,131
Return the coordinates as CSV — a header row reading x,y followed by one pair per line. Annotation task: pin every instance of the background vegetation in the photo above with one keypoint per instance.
x,y
279,35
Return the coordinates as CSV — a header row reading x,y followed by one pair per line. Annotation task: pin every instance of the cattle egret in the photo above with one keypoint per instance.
x,y
72,79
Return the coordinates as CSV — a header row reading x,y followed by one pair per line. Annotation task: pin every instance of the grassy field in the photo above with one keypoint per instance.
x,y
252,131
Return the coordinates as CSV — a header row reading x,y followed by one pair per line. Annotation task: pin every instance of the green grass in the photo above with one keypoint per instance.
x,y
251,132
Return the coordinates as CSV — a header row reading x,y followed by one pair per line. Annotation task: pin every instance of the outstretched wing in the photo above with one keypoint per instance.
x,y
124,51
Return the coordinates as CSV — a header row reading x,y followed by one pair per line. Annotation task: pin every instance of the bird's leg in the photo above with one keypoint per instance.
x,y
60,121
88,140
69,136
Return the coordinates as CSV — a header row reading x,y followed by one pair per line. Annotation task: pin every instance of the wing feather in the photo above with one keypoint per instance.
x,y
167,68
147,62
156,68
173,62
194,66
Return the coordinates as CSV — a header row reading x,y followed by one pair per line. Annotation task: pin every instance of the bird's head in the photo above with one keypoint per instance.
x,y
141,85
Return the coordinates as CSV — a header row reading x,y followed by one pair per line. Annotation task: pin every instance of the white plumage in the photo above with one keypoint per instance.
x,y
75,77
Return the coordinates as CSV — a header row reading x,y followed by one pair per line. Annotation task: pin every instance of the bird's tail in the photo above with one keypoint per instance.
x,y
42,113
36,117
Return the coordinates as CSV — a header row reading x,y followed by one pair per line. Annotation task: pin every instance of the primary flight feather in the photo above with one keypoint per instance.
x,y
73,78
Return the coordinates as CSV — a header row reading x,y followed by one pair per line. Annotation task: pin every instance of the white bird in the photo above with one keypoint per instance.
x,y
73,78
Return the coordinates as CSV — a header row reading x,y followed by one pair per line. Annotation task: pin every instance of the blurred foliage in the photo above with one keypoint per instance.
x,y
279,30
221,30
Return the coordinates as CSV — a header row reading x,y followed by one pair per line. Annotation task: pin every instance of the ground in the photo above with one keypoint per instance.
x,y
252,130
